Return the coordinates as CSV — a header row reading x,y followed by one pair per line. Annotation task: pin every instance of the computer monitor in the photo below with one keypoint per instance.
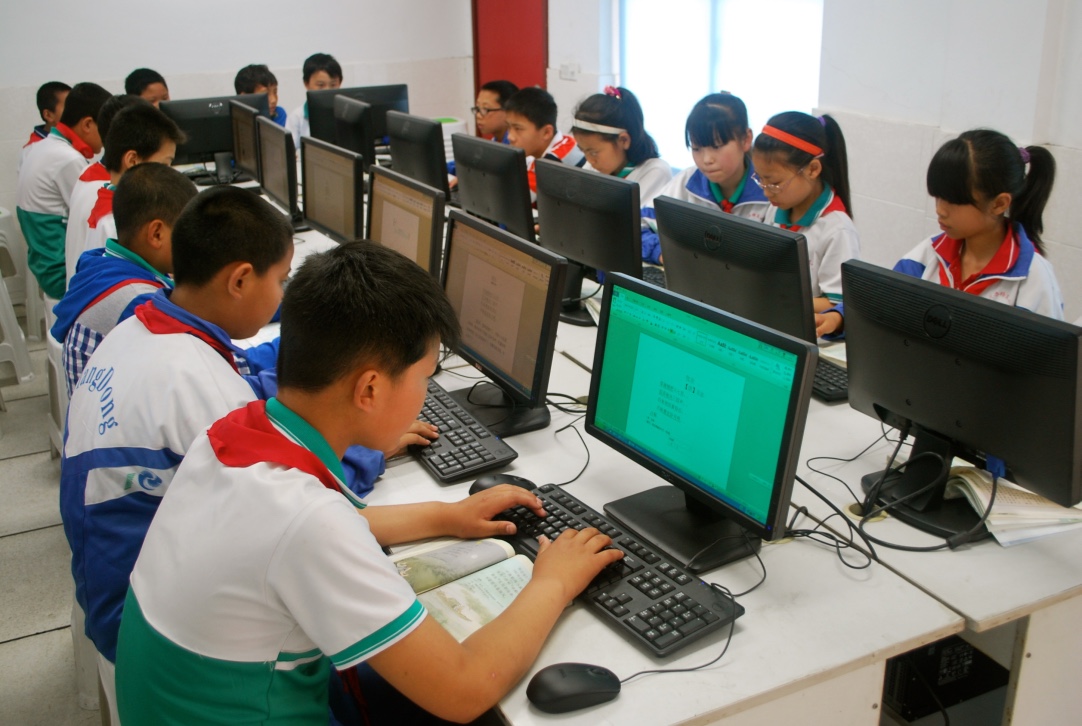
x,y
591,219
353,128
381,98
278,163
506,293
974,378
417,149
492,183
406,216
713,404
245,138
208,124
743,267
333,183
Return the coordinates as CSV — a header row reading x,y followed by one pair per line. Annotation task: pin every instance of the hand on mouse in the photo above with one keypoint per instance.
x,y
574,558
419,433
472,517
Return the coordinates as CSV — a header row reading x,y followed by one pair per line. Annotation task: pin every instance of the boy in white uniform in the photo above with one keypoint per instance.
x,y
320,72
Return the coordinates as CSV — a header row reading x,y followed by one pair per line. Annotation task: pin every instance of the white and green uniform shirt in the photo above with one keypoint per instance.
x,y
253,578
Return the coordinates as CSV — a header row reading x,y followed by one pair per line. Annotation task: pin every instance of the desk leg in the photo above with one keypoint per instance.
x,y
1043,688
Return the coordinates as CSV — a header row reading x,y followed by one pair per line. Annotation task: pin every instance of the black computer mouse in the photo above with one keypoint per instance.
x,y
564,687
491,480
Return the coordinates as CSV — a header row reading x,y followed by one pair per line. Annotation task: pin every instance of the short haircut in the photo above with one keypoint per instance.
x,y
535,104
321,62
359,304
148,192
85,99
224,225
252,77
48,95
503,89
111,108
140,128
140,78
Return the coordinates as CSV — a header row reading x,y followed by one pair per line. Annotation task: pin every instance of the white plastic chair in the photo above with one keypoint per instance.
x,y
22,286
58,387
12,343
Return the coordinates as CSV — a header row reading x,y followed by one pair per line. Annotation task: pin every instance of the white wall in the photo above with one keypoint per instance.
x,y
581,38
425,43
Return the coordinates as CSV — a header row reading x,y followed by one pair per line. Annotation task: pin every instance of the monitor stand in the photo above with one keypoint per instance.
x,y
573,311
929,511
498,412
682,528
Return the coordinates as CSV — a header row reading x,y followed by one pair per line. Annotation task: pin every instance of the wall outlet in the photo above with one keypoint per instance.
x,y
570,71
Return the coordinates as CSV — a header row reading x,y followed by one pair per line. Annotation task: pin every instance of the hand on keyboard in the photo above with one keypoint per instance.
x,y
420,433
574,559
473,517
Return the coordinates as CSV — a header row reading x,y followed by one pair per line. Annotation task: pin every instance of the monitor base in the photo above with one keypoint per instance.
x,y
573,311
503,417
579,316
942,518
683,528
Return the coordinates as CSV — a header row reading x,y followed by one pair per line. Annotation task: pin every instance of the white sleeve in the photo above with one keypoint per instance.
x,y
656,175
839,243
67,176
1040,290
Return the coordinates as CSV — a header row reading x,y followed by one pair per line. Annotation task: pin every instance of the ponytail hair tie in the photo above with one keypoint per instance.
x,y
1024,153
823,121
612,91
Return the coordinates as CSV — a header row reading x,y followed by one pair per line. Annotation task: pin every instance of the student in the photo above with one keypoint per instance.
x,y
718,135
310,584
320,72
801,165
610,132
50,100
531,122
148,85
46,180
111,282
489,114
259,79
989,209
84,196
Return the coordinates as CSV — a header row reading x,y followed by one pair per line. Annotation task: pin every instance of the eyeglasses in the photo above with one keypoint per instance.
x,y
482,112
776,188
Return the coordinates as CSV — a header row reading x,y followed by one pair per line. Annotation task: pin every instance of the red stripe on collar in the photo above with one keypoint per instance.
x,y
102,207
76,143
949,251
94,173
159,323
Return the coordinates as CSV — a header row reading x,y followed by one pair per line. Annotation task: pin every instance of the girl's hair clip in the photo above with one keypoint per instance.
x,y
612,91
823,121
1024,153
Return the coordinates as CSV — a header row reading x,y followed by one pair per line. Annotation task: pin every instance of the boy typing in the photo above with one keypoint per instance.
x,y
259,79
320,72
286,578
111,282
148,85
46,179
50,100
531,126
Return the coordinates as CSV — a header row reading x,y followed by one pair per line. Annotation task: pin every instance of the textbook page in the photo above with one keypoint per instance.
x,y
436,563
462,607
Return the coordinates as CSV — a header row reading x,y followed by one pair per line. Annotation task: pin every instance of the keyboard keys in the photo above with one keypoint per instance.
x,y
465,447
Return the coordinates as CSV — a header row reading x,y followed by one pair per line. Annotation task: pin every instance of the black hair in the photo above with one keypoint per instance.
x,y
252,77
48,96
147,192
85,99
359,304
225,225
716,119
982,164
823,132
321,62
138,80
535,104
503,89
622,111
140,128
111,108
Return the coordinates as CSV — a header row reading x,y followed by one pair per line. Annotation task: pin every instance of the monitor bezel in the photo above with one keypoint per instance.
x,y
474,192
237,107
185,110
290,202
438,213
381,98
425,136
358,189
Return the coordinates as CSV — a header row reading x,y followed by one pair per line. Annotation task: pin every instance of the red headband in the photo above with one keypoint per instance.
x,y
793,141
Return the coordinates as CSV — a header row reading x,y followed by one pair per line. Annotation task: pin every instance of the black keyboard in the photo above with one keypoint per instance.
x,y
831,381
465,447
653,275
660,604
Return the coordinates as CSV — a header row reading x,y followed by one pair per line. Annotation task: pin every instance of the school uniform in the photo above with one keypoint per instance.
x,y
242,622
43,200
39,133
90,221
279,116
691,185
563,149
651,175
831,236
298,125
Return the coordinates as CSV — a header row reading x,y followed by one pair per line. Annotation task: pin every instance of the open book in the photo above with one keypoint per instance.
x,y
464,584
1018,514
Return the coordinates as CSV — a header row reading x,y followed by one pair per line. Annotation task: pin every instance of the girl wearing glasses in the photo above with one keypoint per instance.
x,y
801,166
719,138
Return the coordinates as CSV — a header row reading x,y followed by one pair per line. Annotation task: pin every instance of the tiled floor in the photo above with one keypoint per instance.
x,y
37,672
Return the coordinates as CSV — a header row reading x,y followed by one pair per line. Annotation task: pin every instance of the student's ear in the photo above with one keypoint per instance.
x,y
240,279
814,169
157,234
49,117
129,160
1001,203
548,132
365,388
746,143
623,141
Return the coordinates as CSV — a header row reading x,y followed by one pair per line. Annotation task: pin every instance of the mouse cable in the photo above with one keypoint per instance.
x,y
853,529
571,426
841,460
751,551
593,294
826,537
564,408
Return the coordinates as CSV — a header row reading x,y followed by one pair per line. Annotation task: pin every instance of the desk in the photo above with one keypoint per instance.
x,y
804,645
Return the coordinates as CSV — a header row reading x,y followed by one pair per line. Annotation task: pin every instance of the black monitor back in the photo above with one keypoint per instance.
x,y
208,124
417,149
492,183
381,98
353,128
743,267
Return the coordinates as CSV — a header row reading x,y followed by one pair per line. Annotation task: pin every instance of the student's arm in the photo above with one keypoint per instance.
x,y
831,323
461,681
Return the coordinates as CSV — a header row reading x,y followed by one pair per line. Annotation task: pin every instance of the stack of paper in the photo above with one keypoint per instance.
x,y
1018,515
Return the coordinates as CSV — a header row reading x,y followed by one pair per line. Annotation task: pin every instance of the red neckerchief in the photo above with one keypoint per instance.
x,y
558,152
834,205
76,143
246,436
94,173
950,252
102,207
159,323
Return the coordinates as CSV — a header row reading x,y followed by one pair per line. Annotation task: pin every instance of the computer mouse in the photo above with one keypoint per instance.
x,y
490,480
564,687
